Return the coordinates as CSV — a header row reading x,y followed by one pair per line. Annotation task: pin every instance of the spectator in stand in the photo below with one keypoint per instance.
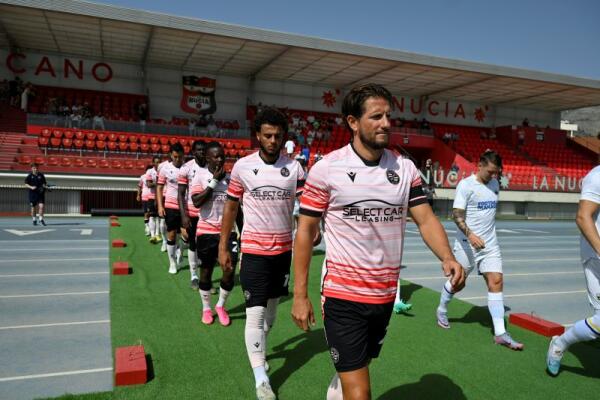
x,y
192,127
521,137
447,137
25,97
306,152
142,114
289,147
525,122
310,137
13,91
98,122
425,125
427,171
86,115
211,125
300,139
74,120
455,136
318,156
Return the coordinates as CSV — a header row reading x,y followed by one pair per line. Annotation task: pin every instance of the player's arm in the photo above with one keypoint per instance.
x,y
458,214
138,196
181,191
586,223
160,200
302,309
230,211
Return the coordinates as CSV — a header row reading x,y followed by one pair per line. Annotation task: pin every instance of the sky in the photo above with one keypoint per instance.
x,y
559,37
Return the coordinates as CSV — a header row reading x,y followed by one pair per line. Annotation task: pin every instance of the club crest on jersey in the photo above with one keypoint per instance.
x,y
285,172
255,171
335,355
247,295
392,177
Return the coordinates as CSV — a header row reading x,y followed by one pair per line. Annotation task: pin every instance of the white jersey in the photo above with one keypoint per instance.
x,y
480,203
590,191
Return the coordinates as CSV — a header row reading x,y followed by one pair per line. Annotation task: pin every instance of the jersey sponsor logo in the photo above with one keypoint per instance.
x,y
285,172
255,171
269,192
374,211
392,177
219,196
351,175
487,205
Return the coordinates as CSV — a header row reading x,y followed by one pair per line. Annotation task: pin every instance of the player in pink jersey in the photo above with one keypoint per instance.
x,y
168,207
142,197
150,178
266,182
147,195
209,192
162,226
363,192
189,218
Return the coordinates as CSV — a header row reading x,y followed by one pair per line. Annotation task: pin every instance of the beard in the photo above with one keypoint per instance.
x,y
372,143
273,153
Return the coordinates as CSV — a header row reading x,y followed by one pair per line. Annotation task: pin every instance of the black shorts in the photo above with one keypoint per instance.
x,y
173,220
191,231
264,277
354,331
150,207
207,248
35,199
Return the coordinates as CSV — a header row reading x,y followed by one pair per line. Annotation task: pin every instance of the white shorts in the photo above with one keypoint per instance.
x,y
488,261
591,269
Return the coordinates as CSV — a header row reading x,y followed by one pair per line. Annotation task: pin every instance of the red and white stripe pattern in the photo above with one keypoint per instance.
x,y
186,175
167,176
364,208
267,192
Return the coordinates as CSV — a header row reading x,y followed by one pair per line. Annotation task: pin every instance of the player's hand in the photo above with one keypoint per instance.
x,y
225,260
453,270
138,199
219,173
161,211
318,238
302,313
185,221
476,241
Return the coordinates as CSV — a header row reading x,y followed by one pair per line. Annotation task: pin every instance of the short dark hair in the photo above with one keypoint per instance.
x,y
490,156
198,142
176,147
271,116
354,101
157,157
33,164
213,145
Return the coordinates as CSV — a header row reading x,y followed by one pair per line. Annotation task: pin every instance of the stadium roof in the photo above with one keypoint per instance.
x,y
144,38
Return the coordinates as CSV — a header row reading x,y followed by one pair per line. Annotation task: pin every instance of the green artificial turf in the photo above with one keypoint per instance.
x,y
419,360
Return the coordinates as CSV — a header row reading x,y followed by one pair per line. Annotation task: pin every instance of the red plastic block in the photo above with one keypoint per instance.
x,y
536,324
121,268
115,223
118,243
130,366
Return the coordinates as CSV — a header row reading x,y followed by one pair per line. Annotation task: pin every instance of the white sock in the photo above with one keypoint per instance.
x,y
223,295
582,331
270,315
152,226
205,297
398,290
172,252
34,218
334,391
41,217
163,228
496,307
192,256
254,337
445,296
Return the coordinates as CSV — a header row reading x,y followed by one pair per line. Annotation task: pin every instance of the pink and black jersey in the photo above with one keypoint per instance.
x,y
267,192
186,176
147,192
151,176
364,205
167,176
211,212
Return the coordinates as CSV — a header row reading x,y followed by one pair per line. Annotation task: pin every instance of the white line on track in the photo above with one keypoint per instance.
x,y
527,294
18,296
62,249
431,278
104,321
57,259
53,240
504,261
530,230
506,250
57,274
55,374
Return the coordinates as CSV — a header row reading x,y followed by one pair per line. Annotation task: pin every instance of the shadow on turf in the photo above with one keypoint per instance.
x,y
588,355
477,314
431,386
409,289
305,346
150,366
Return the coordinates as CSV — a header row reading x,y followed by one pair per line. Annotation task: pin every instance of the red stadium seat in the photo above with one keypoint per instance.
x,y
116,164
39,160
173,140
128,164
57,133
54,142
155,147
111,146
186,149
104,163
154,140
112,137
67,143
123,146
78,144
25,160
69,134
90,135
90,144
165,148
43,141
133,138
164,140
100,145
46,133
144,139
65,162
91,163
78,162
101,136
52,161
140,164
133,146
144,147
122,137
80,135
